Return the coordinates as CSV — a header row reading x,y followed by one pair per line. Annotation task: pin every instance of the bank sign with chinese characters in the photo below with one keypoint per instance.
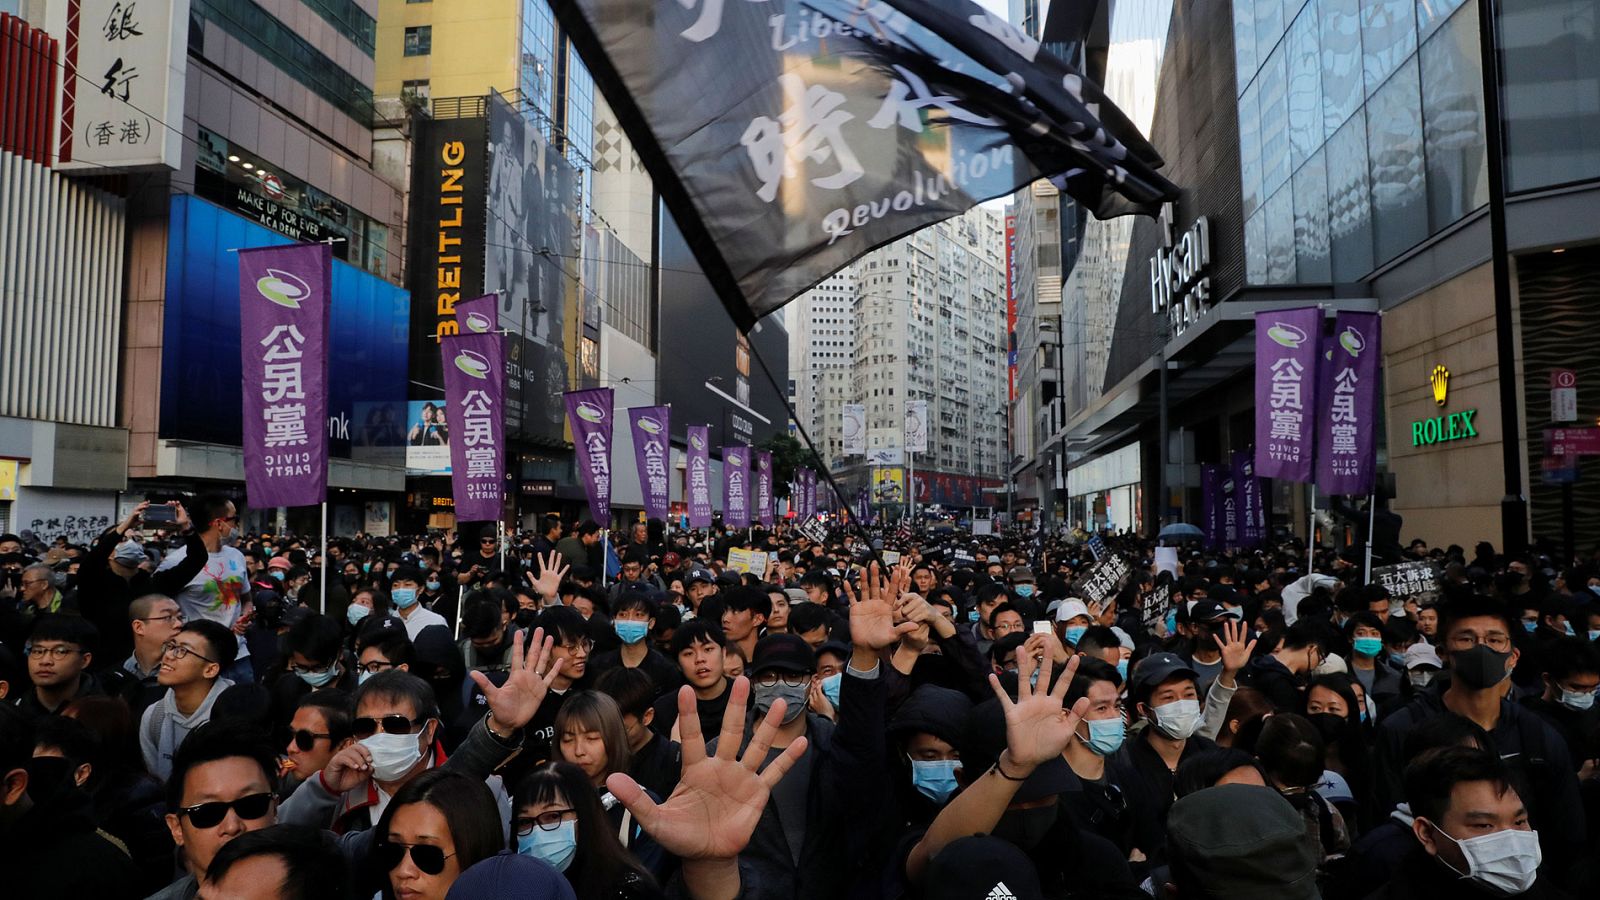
x,y
122,85
1442,429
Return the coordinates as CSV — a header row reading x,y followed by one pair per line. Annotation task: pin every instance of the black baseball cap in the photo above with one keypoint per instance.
x,y
981,867
783,653
1154,669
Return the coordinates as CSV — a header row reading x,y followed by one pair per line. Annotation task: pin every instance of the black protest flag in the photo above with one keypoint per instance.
x,y
788,137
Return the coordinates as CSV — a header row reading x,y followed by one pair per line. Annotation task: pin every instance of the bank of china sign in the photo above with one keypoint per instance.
x,y
122,85
1444,428
1179,280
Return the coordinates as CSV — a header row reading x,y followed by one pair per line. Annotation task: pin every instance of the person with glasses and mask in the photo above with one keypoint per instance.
x,y
221,590
382,649
153,620
221,787
320,728
1476,636
60,650
437,826
192,663
558,818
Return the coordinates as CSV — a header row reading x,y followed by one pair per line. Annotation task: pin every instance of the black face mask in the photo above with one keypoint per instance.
x,y
525,617
48,776
1479,668
1027,828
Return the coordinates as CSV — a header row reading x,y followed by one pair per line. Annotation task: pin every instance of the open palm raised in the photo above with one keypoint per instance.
x,y
1038,727
718,801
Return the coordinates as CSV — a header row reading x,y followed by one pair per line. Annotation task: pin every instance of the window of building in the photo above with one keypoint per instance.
x,y
419,40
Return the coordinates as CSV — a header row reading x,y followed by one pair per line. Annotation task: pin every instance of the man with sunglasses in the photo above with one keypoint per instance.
x,y
192,663
319,729
221,590
221,788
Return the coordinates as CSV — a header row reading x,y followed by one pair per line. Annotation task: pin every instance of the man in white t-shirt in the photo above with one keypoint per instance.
x,y
405,593
221,592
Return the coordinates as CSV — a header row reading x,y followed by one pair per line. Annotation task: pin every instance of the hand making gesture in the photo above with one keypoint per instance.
x,y
872,614
551,571
513,704
1235,652
1038,727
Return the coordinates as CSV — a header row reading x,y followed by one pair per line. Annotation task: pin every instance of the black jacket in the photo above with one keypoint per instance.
x,y
1273,678
54,851
1424,877
104,596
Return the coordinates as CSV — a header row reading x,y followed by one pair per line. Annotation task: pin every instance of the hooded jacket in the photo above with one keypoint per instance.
x,y
162,727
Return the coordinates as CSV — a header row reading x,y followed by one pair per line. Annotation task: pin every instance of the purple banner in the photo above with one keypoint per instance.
x,y
736,487
475,391
283,345
1230,507
764,488
589,414
697,472
1211,505
1347,413
651,427
1286,379
808,493
1252,521
479,315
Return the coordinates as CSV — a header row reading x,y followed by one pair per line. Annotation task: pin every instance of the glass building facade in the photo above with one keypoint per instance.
x,y
1360,129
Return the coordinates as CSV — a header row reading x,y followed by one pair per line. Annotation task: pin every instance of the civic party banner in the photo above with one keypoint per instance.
x,y
1347,413
854,123
736,487
1251,518
854,423
811,492
284,297
1211,505
1230,507
480,315
1286,386
589,414
474,391
651,427
764,510
697,472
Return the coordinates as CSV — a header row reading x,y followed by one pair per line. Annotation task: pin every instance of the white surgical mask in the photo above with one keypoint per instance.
x,y
1178,720
1506,862
393,755
1578,700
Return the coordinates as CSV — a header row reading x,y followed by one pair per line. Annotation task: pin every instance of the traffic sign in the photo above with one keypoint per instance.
x,y
1563,395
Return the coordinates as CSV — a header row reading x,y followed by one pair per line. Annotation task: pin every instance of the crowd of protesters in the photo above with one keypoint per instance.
x,y
188,710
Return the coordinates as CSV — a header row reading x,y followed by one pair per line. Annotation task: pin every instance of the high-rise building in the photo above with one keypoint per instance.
x,y
821,346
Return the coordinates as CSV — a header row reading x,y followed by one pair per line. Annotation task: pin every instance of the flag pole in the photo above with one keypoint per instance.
x,y
1372,514
322,606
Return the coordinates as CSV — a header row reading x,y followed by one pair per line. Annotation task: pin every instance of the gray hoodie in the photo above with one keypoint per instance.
x,y
162,728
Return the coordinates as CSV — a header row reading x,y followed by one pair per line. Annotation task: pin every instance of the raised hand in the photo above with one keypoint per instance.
x,y
513,704
718,801
551,571
349,769
872,619
1038,728
1235,652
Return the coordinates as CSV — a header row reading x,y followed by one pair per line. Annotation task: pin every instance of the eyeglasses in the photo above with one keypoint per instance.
x,y
171,616
366,726
1497,641
376,666
26,582
305,740
309,670
549,820
583,646
179,651
768,679
487,541
427,858
59,651
210,815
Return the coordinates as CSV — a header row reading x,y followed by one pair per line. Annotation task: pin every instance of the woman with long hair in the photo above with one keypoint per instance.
x,y
558,817
589,734
440,823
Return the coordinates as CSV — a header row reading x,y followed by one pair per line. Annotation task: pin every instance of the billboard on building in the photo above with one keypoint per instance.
x,y
124,107
201,367
708,372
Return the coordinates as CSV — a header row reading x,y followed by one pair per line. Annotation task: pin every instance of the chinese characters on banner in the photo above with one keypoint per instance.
x,y
283,343
811,492
1417,580
1211,505
764,509
474,391
854,124
651,425
1230,507
1347,413
1287,342
1252,517
589,415
123,81
697,472
736,487
1102,581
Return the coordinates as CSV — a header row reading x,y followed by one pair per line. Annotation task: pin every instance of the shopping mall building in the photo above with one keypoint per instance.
x,y
1333,153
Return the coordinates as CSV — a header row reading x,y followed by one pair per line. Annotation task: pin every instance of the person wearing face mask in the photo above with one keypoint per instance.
x,y
1571,676
1422,665
1164,693
927,730
405,588
1122,813
221,590
558,818
1474,837
798,848
1476,633
1369,663
1072,620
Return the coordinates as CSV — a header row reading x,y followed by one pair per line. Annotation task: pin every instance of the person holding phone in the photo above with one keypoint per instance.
x,y
113,574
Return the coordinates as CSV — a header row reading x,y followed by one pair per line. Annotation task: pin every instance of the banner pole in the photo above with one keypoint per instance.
x,y
1311,522
500,538
322,605
1372,514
